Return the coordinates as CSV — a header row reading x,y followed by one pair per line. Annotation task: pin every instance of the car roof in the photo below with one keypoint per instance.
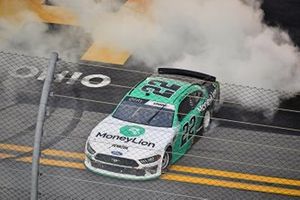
x,y
139,93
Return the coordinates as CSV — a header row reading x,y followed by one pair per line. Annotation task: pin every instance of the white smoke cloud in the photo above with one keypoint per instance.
x,y
238,48
29,35
223,38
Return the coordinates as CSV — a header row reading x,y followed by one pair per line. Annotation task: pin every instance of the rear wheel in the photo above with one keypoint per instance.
x,y
205,126
166,160
206,120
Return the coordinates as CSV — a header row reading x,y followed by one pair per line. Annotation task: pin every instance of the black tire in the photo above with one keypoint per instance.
x,y
199,134
166,160
216,105
206,120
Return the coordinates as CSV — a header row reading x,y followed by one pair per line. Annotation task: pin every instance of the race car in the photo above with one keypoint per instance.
x,y
153,126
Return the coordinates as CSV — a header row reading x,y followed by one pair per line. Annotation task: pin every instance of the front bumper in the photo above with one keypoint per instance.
x,y
124,172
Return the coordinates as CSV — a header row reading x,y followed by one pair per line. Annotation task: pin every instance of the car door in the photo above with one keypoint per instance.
x,y
188,121
196,98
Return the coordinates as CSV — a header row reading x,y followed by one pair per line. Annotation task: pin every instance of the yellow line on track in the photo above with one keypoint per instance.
x,y
13,147
170,176
229,184
235,175
49,152
183,178
5,155
60,153
55,163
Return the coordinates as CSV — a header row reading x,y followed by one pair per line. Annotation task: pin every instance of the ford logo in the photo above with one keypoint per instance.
x,y
117,153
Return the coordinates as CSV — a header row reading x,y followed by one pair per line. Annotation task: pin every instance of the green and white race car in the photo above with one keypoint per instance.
x,y
153,126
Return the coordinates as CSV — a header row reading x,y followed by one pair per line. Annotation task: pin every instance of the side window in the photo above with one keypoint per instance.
x,y
184,108
195,97
189,103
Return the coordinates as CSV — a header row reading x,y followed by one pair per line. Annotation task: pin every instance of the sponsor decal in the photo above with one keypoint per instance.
x,y
158,104
120,146
117,153
149,103
125,139
207,103
132,131
136,100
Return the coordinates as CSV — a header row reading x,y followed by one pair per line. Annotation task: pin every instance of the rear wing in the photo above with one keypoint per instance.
x,y
188,73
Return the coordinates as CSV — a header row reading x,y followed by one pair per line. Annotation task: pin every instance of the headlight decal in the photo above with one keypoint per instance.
x,y
90,149
150,159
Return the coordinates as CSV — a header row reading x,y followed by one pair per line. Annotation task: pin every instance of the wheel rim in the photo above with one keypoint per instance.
x,y
206,119
165,160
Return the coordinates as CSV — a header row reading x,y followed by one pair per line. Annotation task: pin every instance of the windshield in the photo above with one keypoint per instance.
x,y
145,112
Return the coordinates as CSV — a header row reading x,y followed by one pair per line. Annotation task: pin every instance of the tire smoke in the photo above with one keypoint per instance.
x,y
225,38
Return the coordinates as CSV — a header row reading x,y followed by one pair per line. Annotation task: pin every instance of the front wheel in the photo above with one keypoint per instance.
x,y
166,160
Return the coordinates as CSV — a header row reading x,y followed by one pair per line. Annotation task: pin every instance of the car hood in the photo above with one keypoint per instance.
x,y
116,137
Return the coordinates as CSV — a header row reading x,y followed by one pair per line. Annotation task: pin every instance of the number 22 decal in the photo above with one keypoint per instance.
x,y
188,130
157,89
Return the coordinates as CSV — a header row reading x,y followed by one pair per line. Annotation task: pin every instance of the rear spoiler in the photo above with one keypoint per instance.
x,y
188,73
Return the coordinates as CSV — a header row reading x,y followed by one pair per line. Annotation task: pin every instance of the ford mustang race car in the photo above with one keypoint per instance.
x,y
153,126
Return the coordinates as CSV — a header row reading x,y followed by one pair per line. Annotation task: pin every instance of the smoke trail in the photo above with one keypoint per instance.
x,y
26,33
224,38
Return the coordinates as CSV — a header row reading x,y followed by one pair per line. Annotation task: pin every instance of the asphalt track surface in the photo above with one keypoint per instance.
x,y
234,160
